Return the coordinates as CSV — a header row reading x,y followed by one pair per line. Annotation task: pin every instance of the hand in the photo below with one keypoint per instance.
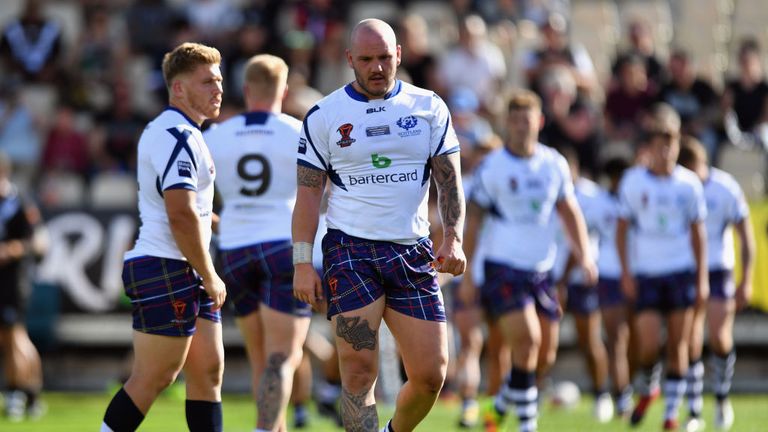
x,y
307,285
628,287
216,290
450,258
589,269
743,295
702,291
467,290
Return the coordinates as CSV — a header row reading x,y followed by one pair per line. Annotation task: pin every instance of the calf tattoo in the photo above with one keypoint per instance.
x,y
270,394
356,415
357,332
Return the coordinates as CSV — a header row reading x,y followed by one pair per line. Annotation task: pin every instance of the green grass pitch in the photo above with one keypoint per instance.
x,y
83,412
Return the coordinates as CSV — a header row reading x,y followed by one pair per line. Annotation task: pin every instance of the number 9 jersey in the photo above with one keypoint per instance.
x,y
255,155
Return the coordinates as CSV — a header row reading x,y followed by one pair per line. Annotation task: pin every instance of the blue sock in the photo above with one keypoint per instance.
x,y
122,414
204,416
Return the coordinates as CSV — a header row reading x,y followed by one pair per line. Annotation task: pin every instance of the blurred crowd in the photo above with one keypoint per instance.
x,y
81,77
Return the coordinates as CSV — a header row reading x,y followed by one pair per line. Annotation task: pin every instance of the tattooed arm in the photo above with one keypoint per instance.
x,y
306,283
450,198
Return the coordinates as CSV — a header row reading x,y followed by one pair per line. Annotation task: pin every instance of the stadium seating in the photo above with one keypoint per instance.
x,y
113,191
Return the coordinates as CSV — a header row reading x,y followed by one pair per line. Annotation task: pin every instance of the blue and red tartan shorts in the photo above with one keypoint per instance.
x,y
507,289
609,292
721,285
167,296
261,273
356,272
666,293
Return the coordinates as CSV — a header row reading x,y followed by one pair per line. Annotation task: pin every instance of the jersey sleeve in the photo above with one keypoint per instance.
x,y
565,189
443,139
479,193
314,151
697,210
625,201
739,208
174,160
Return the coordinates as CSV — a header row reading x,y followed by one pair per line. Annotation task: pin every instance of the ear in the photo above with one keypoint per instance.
x,y
177,88
541,120
399,55
349,58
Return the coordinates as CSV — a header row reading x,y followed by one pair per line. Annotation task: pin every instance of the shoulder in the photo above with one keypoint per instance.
x,y
218,130
588,188
724,180
289,121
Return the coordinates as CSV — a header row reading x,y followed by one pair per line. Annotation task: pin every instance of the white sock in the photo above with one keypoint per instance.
x,y
105,428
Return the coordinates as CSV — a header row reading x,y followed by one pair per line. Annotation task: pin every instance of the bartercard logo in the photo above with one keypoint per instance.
x,y
383,178
380,161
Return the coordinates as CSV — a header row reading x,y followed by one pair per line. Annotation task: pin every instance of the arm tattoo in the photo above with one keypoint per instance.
x,y
356,415
450,194
270,395
356,332
310,177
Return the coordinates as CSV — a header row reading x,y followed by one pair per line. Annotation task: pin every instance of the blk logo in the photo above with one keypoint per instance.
x,y
375,110
345,131
380,161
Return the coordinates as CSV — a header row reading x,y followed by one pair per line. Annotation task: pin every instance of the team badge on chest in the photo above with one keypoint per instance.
x,y
345,130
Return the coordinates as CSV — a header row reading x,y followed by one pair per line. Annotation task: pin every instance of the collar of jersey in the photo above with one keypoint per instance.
x,y
173,108
256,117
356,95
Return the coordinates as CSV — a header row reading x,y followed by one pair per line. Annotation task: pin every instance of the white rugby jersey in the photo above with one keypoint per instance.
x,y
587,194
606,214
256,156
661,210
377,156
519,195
171,155
726,205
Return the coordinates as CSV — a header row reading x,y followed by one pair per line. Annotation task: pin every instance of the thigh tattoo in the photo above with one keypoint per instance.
x,y
357,332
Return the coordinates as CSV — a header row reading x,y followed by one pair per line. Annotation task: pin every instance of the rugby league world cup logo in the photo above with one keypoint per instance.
x,y
345,130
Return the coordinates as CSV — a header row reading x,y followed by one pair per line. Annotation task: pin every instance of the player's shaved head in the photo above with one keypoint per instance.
x,y
370,29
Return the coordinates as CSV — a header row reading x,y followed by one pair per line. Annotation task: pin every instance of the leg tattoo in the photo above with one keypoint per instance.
x,y
356,415
356,332
270,394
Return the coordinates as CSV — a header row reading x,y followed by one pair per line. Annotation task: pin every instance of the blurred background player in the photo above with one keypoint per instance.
x,y
252,151
476,140
667,272
378,260
169,274
19,220
726,208
520,251
581,299
613,307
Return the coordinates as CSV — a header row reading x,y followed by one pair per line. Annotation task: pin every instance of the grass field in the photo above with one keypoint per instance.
x,y
73,412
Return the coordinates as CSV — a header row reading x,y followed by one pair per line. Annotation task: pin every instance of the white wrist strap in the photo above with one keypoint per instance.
x,y
302,253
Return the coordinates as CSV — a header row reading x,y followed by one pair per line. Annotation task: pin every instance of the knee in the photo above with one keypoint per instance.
x,y
358,376
154,382
429,381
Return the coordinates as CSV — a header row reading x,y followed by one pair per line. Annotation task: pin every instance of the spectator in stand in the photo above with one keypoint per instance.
x,y
215,20
19,133
31,45
694,99
417,60
571,120
474,62
66,148
556,49
745,100
117,132
641,45
150,25
251,40
628,100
